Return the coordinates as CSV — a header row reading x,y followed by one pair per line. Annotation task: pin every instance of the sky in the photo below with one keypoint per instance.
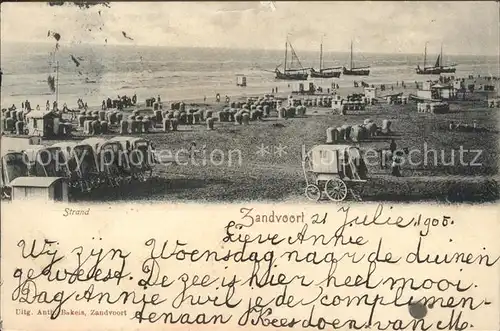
x,y
469,28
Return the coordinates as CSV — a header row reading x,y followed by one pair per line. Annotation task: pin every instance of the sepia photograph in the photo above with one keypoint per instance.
x,y
250,101
260,165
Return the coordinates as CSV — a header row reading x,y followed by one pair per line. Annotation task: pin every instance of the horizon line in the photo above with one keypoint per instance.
x,y
227,48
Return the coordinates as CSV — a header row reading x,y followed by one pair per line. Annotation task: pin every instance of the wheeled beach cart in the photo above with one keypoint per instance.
x,y
335,170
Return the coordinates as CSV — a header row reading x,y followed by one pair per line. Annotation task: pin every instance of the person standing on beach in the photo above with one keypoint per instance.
x,y
452,126
192,151
387,155
204,98
227,99
396,164
217,97
392,146
47,105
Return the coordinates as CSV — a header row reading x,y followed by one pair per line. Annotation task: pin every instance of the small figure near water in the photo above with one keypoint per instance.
x,y
227,99
217,97
80,104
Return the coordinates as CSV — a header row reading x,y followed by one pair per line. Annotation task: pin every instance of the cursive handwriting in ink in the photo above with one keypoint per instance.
x,y
363,265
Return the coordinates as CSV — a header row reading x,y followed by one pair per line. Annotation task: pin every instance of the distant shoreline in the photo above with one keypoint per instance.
x,y
278,50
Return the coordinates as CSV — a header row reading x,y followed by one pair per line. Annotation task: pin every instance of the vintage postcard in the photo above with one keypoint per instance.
x,y
250,165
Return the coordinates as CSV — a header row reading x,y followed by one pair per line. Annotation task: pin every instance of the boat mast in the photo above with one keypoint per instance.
x,y
286,51
321,55
351,55
441,56
425,55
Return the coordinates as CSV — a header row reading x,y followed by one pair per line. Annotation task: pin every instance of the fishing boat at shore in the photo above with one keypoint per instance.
x,y
289,73
438,67
353,71
324,72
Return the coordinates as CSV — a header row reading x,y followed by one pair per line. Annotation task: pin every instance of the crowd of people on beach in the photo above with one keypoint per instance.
x,y
217,98
119,103
26,106
487,77
149,102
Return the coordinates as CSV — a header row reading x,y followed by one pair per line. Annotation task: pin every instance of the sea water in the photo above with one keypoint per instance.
x,y
186,73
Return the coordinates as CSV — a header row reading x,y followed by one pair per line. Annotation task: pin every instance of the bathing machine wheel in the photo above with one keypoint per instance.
x,y
313,192
336,189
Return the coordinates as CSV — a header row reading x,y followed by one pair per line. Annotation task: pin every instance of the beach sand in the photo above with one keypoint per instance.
x,y
94,103
240,174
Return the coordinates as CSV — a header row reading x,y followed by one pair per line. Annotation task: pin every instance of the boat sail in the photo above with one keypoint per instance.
x,y
324,72
289,73
438,67
352,71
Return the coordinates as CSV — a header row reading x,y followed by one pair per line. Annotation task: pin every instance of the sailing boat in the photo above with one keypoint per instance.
x,y
352,71
324,72
438,67
289,73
